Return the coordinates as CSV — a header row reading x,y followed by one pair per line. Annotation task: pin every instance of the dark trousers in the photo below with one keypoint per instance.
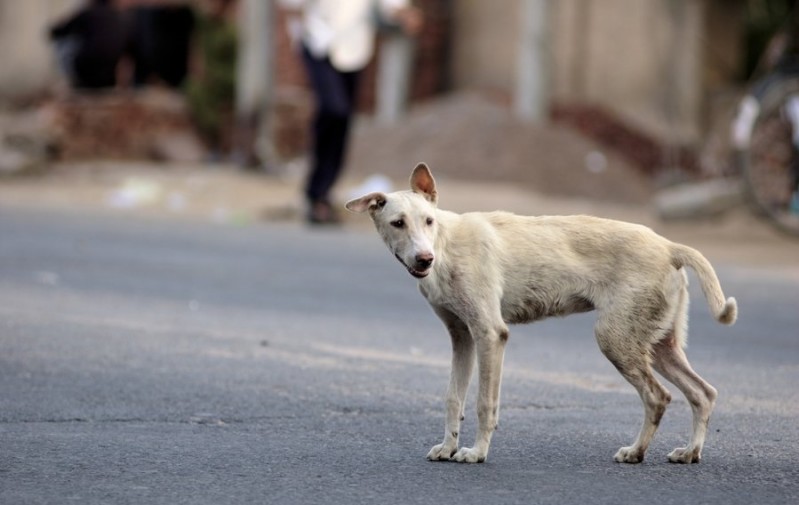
x,y
335,105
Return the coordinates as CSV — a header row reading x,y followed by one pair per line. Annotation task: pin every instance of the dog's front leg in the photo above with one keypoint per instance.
x,y
490,353
460,375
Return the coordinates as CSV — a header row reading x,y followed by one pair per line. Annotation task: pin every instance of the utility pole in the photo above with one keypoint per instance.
x,y
254,84
393,76
531,97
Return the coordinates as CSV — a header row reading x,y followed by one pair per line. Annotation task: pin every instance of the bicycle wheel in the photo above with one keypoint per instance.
x,y
771,160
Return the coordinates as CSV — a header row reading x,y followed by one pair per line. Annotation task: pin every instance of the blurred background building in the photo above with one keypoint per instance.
x,y
641,73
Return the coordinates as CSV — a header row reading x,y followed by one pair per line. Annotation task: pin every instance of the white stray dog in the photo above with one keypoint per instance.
x,y
482,271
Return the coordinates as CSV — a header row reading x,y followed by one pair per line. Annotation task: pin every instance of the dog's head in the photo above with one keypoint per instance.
x,y
406,220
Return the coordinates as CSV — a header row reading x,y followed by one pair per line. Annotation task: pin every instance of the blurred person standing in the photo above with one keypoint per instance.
x,y
336,39
91,44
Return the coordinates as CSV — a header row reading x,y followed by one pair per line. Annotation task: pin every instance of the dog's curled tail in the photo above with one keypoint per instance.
x,y
724,310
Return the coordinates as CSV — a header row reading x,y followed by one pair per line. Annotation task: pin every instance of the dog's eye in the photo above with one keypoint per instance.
x,y
399,223
429,221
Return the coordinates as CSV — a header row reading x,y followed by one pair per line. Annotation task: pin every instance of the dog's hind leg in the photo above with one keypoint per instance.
x,y
460,375
631,358
670,361
490,345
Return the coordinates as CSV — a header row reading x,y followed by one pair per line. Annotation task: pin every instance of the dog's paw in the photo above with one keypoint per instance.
x,y
442,452
629,455
469,455
685,455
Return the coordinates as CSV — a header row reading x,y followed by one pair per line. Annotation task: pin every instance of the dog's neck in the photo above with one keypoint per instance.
x,y
447,220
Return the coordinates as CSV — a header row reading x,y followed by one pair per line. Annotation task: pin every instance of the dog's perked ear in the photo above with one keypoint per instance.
x,y
422,182
369,202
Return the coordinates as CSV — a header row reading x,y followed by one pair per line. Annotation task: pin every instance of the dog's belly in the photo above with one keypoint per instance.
x,y
526,310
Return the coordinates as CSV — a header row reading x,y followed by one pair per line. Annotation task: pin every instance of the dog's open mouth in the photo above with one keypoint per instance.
x,y
419,274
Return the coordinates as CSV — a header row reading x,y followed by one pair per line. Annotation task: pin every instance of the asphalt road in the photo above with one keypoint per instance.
x,y
144,361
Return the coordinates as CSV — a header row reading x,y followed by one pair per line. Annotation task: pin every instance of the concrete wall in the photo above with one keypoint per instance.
x,y
642,58
26,55
485,35
653,62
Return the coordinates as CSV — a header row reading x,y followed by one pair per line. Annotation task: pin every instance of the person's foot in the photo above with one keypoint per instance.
x,y
322,213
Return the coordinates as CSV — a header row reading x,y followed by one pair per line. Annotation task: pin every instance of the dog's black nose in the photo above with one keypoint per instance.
x,y
424,260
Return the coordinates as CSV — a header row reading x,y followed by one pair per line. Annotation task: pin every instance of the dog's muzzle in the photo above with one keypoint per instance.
x,y
422,265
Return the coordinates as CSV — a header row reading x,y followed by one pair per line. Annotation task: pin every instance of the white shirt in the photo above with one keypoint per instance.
x,y
343,30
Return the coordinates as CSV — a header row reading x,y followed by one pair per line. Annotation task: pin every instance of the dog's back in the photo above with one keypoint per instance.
x,y
549,265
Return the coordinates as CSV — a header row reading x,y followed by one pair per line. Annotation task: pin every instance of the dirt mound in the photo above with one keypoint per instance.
x,y
468,136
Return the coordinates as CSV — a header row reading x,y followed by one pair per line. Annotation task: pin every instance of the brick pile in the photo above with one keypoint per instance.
x,y
124,125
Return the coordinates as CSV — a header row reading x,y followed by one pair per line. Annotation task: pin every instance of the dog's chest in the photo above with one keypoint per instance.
x,y
447,288
437,293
